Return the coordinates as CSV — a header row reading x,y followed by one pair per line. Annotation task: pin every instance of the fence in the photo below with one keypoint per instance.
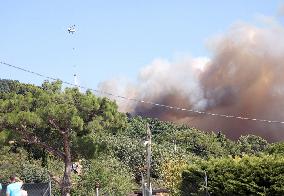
x,y
33,189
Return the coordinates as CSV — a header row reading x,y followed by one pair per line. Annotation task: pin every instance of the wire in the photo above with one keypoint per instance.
x,y
145,101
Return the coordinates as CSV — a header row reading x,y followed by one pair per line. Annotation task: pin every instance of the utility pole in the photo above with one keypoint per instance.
x,y
149,138
146,187
97,188
175,144
206,184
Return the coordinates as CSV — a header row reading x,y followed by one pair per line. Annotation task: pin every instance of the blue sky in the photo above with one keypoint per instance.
x,y
113,38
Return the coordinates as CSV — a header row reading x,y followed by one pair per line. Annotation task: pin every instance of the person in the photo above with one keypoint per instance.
x,y
15,188
77,167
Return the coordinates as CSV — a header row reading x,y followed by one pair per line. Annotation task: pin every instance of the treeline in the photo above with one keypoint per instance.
x,y
45,129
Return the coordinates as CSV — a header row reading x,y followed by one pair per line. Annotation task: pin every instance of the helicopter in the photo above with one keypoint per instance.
x,y
71,29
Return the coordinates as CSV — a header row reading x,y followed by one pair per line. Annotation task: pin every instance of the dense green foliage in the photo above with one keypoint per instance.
x,y
111,147
29,170
249,175
113,178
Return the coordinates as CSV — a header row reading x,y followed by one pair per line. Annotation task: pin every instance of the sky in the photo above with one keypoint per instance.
x,y
113,38
220,57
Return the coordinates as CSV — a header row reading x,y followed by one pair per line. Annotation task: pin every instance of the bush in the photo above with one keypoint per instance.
x,y
19,164
253,175
113,177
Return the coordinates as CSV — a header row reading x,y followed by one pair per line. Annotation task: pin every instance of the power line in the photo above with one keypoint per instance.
x,y
145,101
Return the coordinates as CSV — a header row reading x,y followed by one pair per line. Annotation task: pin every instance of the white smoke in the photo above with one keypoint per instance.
x,y
243,77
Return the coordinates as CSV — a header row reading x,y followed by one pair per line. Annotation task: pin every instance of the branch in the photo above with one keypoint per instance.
x,y
32,139
51,121
55,178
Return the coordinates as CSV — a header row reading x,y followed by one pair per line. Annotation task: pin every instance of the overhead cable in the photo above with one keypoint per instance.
x,y
145,101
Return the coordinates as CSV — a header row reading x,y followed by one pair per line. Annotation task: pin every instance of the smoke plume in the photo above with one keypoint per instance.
x,y
244,77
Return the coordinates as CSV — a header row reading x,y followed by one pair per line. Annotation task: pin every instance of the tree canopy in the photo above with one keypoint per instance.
x,y
59,121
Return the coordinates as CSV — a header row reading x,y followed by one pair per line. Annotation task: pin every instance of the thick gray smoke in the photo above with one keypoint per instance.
x,y
244,77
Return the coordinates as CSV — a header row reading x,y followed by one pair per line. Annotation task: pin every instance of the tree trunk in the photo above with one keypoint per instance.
x,y
66,182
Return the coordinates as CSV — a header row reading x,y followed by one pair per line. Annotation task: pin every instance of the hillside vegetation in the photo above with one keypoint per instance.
x,y
44,129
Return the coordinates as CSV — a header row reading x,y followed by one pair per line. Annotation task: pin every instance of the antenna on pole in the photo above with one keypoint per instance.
x,y
75,80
